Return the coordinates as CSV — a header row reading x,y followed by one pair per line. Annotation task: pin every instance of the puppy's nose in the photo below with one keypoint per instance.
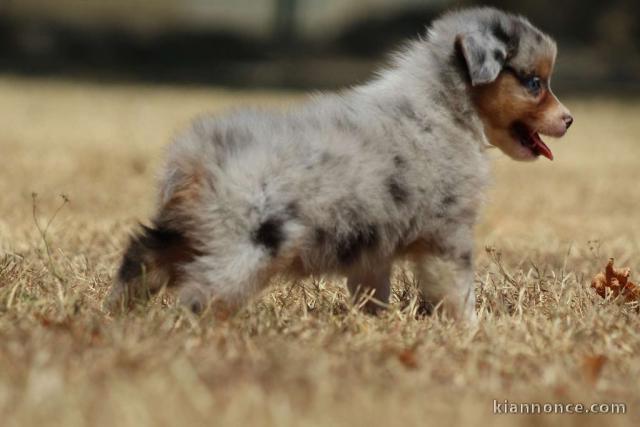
x,y
568,120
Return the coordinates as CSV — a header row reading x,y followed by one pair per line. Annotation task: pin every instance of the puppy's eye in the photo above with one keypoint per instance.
x,y
533,84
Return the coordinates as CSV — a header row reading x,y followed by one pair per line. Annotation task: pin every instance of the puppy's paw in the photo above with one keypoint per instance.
x,y
193,299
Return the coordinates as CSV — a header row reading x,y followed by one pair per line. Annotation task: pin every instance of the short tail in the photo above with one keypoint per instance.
x,y
152,260
155,254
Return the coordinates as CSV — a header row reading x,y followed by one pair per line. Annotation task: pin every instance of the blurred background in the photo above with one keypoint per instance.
x,y
288,43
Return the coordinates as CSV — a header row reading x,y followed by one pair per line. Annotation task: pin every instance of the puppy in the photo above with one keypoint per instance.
x,y
348,183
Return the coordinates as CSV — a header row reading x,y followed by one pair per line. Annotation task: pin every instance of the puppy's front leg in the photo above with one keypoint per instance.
x,y
364,282
447,276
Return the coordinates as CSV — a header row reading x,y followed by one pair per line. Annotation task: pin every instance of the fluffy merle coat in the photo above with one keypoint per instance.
x,y
345,184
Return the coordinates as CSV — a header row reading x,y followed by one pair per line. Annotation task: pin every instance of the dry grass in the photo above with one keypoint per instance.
x,y
301,354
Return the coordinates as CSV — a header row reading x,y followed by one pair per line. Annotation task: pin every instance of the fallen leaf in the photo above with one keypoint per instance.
x,y
617,281
408,358
592,367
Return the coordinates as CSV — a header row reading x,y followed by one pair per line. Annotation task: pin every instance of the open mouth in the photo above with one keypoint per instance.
x,y
531,140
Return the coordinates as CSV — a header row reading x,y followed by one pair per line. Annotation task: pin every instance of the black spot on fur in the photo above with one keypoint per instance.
x,y
449,200
270,235
499,32
326,157
538,37
498,55
461,121
511,41
399,161
442,211
399,193
293,210
407,110
350,248
232,140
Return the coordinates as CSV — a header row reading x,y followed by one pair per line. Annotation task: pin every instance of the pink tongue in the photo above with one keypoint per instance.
x,y
541,146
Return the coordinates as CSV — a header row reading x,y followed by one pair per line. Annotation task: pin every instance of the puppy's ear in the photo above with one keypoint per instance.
x,y
483,54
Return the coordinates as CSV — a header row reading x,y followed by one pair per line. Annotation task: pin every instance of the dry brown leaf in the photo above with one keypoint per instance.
x,y
592,367
616,280
408,358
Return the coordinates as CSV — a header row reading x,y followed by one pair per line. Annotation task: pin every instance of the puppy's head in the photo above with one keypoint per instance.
x,y
509,65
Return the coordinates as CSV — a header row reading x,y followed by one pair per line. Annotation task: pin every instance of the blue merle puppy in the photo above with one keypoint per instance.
x,y
346,184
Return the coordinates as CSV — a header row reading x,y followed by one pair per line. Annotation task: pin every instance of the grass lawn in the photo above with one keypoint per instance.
x,y
301,354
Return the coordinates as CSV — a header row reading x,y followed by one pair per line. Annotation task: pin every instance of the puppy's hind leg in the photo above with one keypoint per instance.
x,y
151,260
372,283
154,254
226,276
201,292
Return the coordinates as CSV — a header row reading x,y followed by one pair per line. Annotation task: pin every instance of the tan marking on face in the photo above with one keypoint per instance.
x,y
545,68
506,101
